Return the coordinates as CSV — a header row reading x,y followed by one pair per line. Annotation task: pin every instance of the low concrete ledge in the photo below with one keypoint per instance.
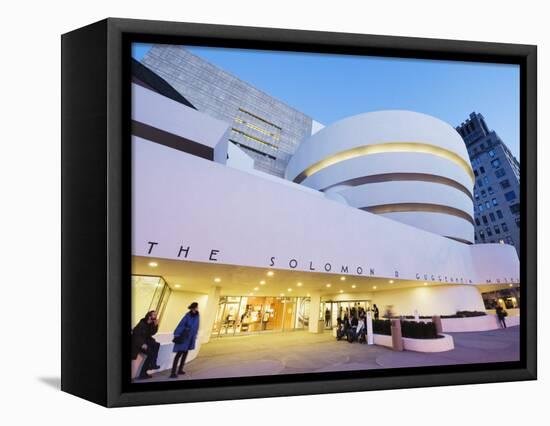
x,y
442,344
165,355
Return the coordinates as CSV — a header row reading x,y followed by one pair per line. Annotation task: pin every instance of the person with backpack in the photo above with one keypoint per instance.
x,y
501,315
185,336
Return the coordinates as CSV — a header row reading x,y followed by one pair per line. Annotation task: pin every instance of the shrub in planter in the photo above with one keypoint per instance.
x,y
465,314
381,327
418,330
459,314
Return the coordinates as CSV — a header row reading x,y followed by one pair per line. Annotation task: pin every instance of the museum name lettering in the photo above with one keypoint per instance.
x,y
213,256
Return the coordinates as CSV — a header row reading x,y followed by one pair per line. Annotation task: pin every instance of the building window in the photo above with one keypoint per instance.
x,y
487,205
479,183
482,169
497,229
495,163
481,234
514,208
483,193
505,184
491,153
492,216
477,221
499,173
510,196
509,240
490,189
504,227
517,222
484,218
476,195
494,201
480,207
485,179
499,214
489,232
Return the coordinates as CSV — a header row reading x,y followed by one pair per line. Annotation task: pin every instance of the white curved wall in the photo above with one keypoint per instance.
x,y
432,300
437,299
442,224
292,223
385,163
374,194
426,176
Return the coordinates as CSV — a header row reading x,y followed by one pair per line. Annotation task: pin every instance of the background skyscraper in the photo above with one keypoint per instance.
x,y
496,191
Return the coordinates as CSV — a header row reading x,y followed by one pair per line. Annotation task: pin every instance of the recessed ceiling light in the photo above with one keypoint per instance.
x,y
353,286
153,264
289,289
374,287
217,279
425,283
262,282
390,281
250,294
341,291
282,294
177,285
299,284
342,278
256,288
511,285
328,285
270,273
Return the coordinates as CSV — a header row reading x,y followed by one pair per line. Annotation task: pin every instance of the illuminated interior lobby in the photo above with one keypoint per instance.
x,y
374,209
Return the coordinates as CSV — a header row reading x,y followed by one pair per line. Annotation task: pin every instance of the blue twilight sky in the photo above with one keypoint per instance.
x,y
331,87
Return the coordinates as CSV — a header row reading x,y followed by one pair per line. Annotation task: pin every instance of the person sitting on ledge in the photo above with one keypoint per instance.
x,y
143,342
185,335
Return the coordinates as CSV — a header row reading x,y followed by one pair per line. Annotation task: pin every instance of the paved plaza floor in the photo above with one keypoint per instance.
x,y
303,352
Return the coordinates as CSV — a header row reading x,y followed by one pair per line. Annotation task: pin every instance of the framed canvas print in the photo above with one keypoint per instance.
x,y
253,212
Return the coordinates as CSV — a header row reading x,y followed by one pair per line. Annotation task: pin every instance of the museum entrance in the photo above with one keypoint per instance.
x,y
332,310
237,315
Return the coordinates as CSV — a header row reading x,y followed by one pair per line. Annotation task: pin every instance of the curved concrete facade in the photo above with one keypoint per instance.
x,y
404,165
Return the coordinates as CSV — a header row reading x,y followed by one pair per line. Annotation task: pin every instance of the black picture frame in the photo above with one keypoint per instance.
x,y
96,224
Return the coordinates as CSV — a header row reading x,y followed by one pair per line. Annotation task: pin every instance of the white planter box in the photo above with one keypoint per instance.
x,y
443,344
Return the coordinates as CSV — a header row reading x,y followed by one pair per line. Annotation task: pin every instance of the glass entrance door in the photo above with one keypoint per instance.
x,y
227,317
338,309
242,315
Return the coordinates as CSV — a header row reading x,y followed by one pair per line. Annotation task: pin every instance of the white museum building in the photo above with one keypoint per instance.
x,y
376,208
